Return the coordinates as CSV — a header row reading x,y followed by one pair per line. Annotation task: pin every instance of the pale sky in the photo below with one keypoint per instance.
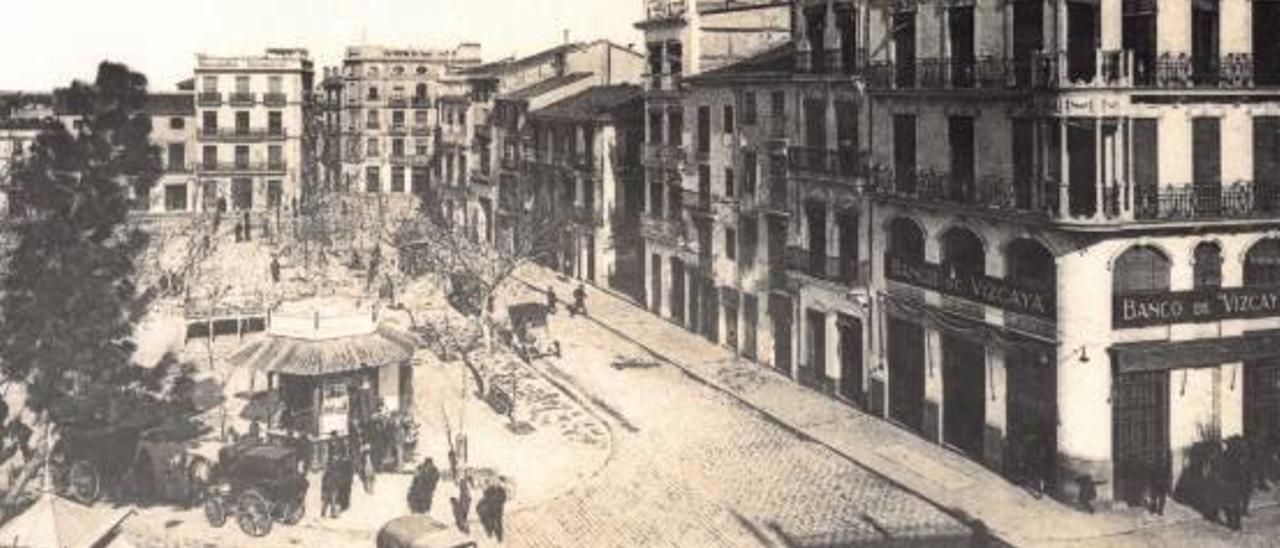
x,y
47,43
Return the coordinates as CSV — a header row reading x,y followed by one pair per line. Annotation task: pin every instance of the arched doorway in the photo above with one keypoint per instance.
x,y
1140,400
964,357
905,338
1031,378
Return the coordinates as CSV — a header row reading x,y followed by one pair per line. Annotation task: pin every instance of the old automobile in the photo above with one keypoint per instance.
x,y
257,484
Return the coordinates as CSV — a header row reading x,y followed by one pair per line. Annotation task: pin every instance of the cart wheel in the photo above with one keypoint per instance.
x,y
293,512
253,514
84,482
215,510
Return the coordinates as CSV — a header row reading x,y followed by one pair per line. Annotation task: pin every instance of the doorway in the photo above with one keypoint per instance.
x,y
963,394
780,313
1033,415
677,290
850,332
1139,427
1261,398
906,374
815,324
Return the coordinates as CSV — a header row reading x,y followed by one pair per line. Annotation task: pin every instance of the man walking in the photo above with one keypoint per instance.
x,y
579,301
423,489
329,489
462,505
490,509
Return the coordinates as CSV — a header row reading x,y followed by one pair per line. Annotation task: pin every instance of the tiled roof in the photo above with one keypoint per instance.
x,y
590,103
544,86
504,65
171,104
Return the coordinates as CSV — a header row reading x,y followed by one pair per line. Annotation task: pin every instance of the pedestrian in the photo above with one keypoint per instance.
x,y
423,488
453,464
239,232
346,479
462,505
365,468
275,269
490,509
248,227
329,489
397,441
551,300
1088,492
580,300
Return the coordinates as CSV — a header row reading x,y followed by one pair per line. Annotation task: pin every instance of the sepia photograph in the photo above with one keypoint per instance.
x,y
640,273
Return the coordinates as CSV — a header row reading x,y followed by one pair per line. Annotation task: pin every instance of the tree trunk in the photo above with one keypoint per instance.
x,y
30,467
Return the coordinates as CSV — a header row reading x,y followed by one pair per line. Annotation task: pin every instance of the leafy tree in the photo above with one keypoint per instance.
x,y
68,302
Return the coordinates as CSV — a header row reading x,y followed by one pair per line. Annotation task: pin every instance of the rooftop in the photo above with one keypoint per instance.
x,y
498,67
775,61
590,104
544,86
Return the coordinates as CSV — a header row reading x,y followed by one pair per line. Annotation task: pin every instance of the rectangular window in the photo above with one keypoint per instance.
x,y
750,172
242,122
749,228
1146,167
397,148
704,184
177,156
372,179
1266,162
209,84
655,200
242,194
815,123
275,194
275,157
373,93
210,122
778,105
371,146
675,127
371,119
397,179
847,125
242,84
704,130
655,127
397,119
419,182
1206,164
749,109
275,84
904,153
1023,169
727,123
242,157
175,197
960,138
420,118
210,156
275,122
729,189
177,123
731,244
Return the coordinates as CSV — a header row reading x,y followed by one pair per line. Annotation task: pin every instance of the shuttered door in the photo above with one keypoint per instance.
x,y
1206,165
1261,398
1265,156
904,152
1139,425
906,374
1146,168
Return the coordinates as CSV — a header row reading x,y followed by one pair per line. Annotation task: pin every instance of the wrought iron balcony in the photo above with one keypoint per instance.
x,y
420,102
1181,70
274,99
242,167
661,10
421,130
1238,200
242,134
209,98
843,164
242,99
820,266
398,102
669,82
398,129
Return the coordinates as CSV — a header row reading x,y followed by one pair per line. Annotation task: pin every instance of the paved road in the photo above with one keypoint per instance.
x,y
691,467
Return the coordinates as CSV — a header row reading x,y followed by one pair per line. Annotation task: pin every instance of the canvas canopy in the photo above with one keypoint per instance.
x,y
288,355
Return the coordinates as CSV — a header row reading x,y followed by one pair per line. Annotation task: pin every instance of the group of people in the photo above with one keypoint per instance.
x,y
579,305
335,483
1221,475
490,508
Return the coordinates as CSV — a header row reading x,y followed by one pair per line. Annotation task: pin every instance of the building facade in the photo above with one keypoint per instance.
x,y
389,115
255,135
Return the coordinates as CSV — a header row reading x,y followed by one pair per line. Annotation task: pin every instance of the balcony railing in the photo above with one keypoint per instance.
x,y
398,129
398,102
420,102
1238,200
421,130
1181,70
842,163
274,99
665,154
242,99
664,82
242,134
821,266
242,167
416,160
209,98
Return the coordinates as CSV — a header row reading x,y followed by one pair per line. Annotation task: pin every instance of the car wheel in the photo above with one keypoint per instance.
x,y
253,514
215,511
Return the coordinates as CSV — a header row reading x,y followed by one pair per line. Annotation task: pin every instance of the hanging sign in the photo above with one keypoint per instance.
x,y
980,288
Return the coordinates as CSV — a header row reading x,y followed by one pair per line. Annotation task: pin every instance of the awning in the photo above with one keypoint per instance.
x,y
296,356
1164,355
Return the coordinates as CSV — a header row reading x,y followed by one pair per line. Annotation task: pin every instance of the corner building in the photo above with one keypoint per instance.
x,y
1074,229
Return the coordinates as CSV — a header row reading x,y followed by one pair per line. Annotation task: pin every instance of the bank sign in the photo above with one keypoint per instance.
x,y
974,287
1204,305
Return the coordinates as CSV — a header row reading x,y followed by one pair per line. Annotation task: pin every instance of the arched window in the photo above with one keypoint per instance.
x,y
962,250
906,240
1262,263
1208,266
1140,269
1027,262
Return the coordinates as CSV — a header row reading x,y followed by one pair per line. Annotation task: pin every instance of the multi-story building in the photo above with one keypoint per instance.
x,y
388,118
173,131
1074,230
693,162
582,172
470,142
254,132
16,136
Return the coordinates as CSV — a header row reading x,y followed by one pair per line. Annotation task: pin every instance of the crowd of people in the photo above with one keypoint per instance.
x,y
1221,475
490,508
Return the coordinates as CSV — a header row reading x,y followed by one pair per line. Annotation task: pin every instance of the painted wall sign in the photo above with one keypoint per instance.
x,y
1203,305
975,287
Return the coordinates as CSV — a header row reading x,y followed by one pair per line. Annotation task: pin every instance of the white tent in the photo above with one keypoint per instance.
x,y
55,522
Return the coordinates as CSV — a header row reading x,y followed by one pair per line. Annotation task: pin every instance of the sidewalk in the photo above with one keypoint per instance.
x,y
962,487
